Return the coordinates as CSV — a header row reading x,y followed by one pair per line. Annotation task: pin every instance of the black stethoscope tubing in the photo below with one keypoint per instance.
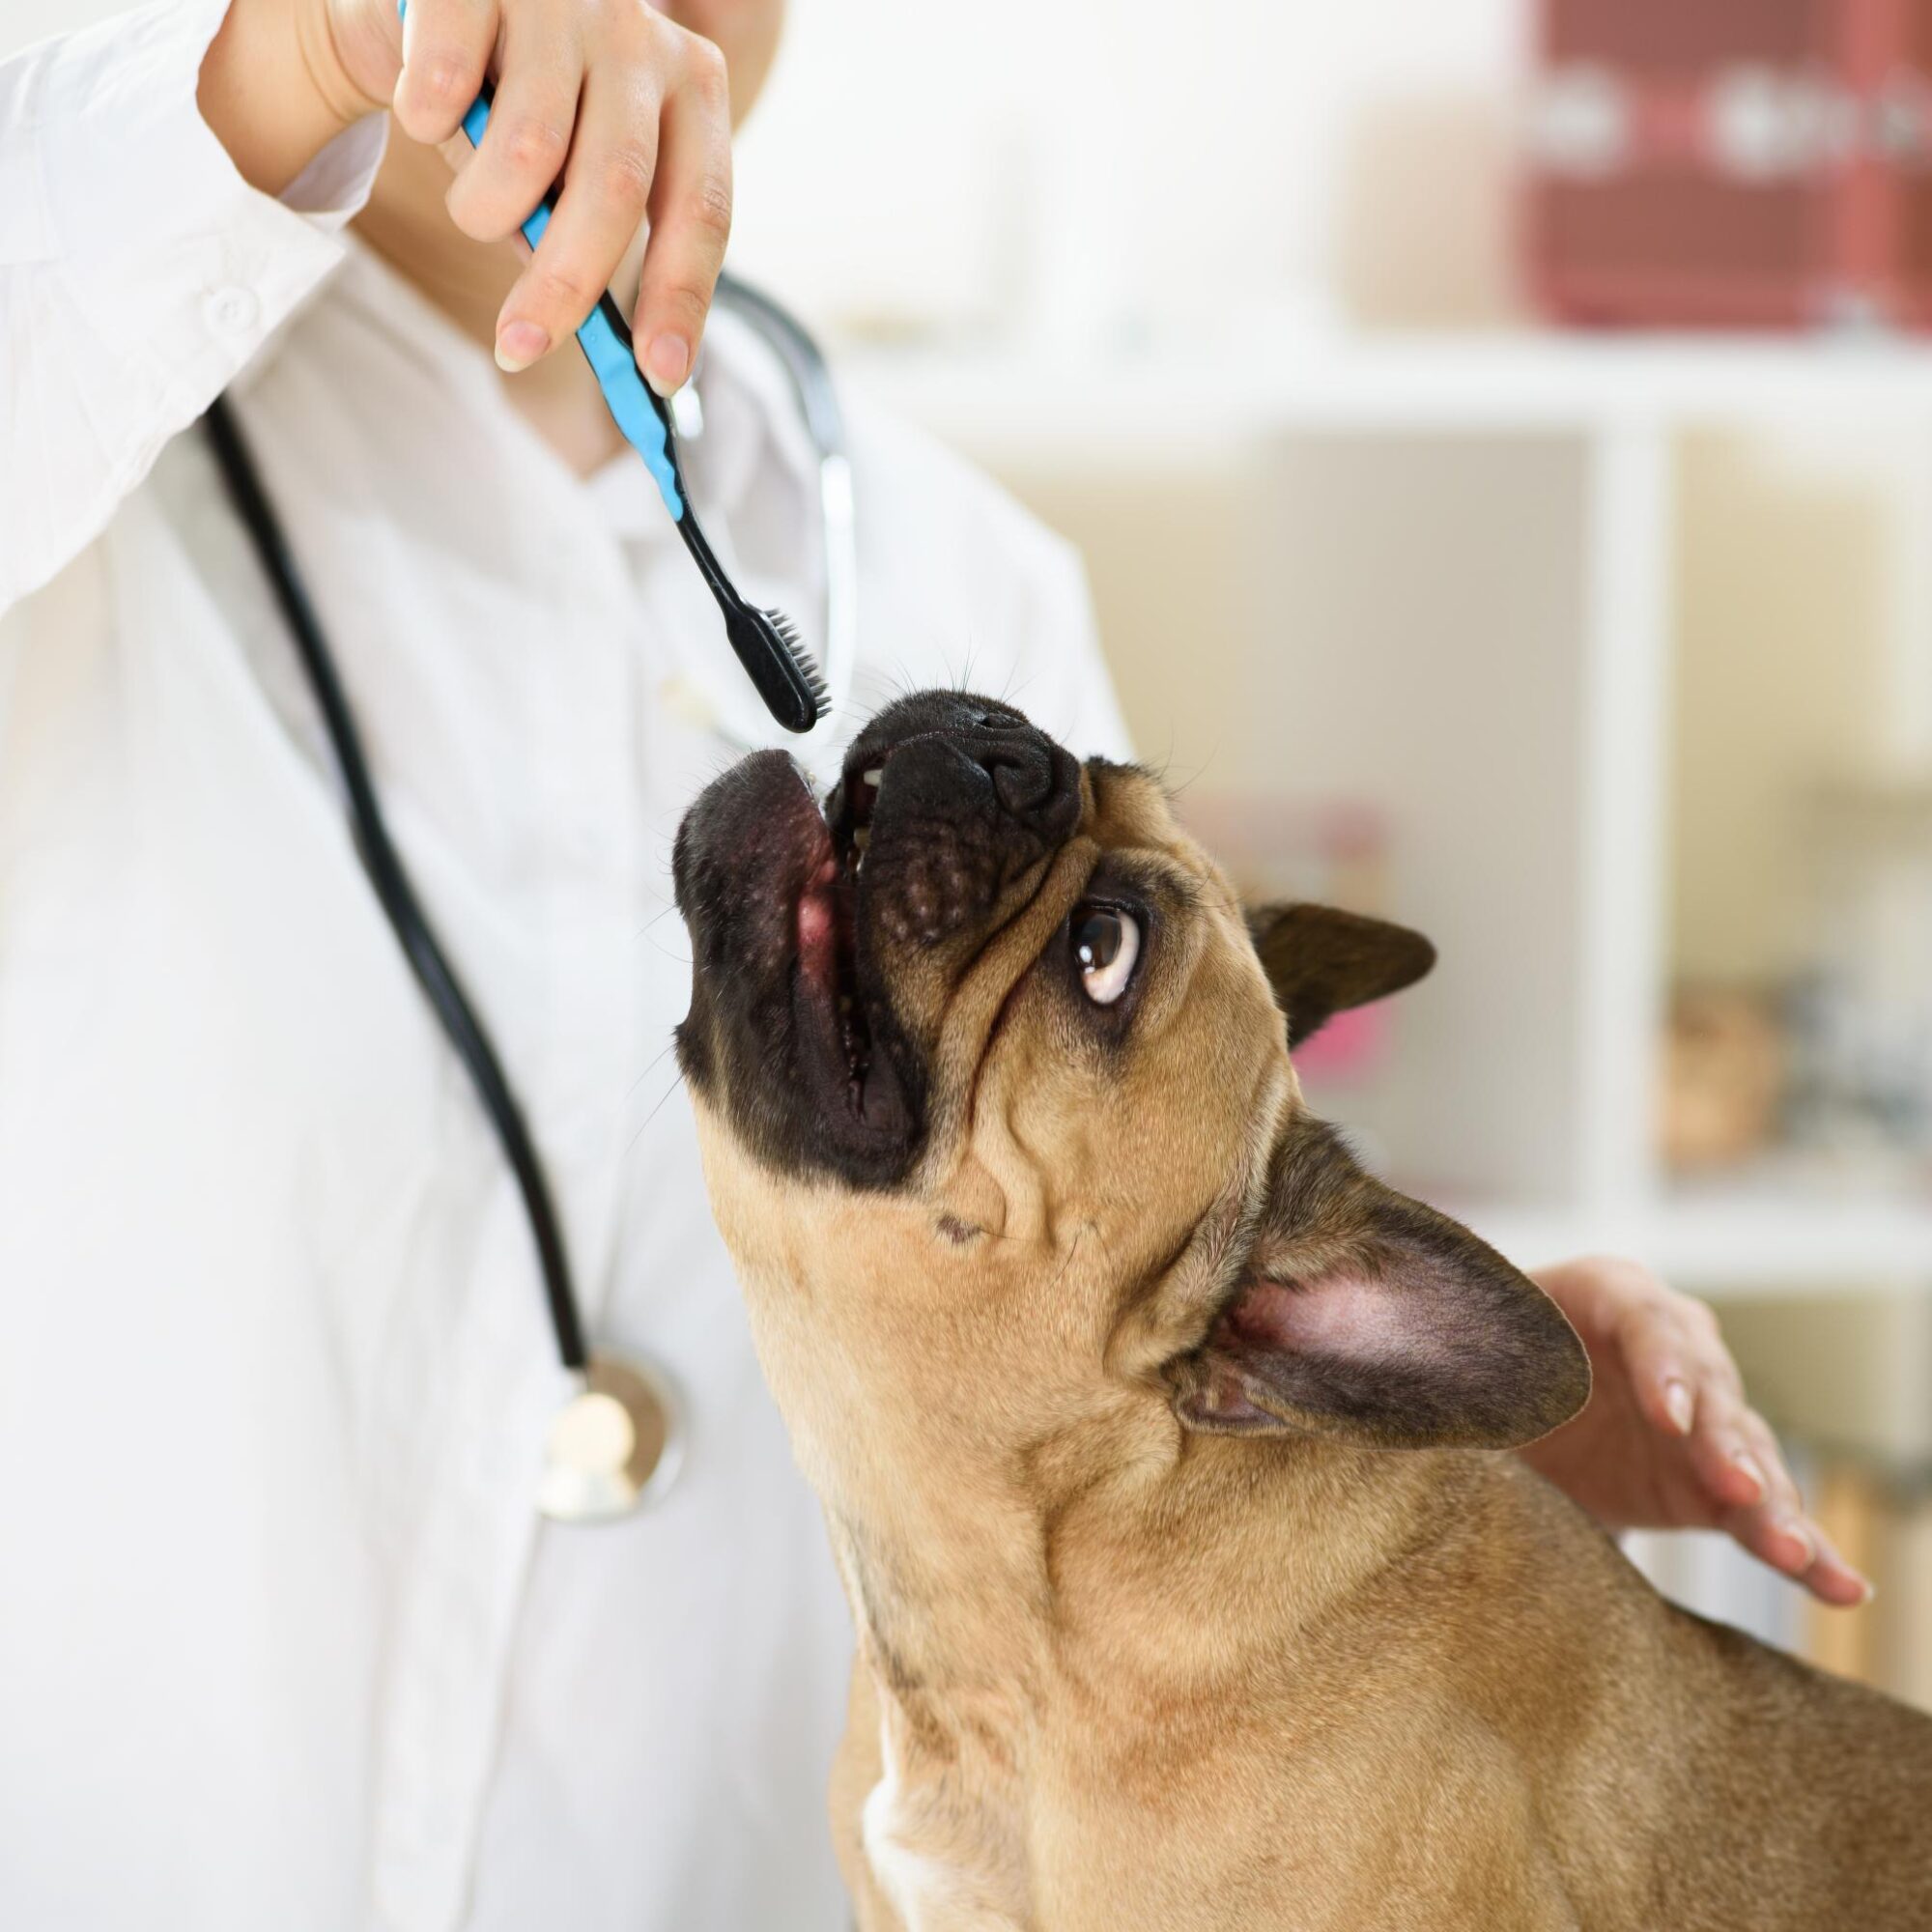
x,y
818,404
391,882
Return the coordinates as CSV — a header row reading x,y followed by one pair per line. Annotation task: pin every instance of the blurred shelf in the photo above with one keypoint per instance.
x,y
1463,384
1739,1242
1579,843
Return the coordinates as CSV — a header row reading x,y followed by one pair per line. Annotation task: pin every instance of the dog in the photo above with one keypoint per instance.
x,y
1156,1439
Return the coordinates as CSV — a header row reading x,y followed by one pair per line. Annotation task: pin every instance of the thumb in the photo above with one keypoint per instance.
x,y
354,50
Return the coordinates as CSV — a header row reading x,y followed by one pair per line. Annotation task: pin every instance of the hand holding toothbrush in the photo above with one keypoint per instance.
x,y
591,121
630,110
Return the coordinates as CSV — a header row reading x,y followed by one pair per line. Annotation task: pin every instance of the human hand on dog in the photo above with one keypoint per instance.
x,y
1668,1441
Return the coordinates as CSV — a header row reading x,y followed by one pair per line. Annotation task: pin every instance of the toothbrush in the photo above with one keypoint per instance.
x,y
767,643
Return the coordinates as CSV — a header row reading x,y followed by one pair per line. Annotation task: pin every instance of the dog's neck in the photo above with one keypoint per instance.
x,y
1006,1603
1164,1562
1025,1600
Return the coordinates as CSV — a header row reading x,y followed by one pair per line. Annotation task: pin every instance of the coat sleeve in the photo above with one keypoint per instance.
x,y
138,271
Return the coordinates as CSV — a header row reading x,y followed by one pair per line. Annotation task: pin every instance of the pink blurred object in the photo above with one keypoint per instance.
x,y
1332,851
1744,163
1348,1047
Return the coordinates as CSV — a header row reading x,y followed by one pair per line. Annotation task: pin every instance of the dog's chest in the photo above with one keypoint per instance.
x,y
943,1862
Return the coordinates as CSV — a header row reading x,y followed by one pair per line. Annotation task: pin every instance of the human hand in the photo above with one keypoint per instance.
x,y
1668,1441
629,109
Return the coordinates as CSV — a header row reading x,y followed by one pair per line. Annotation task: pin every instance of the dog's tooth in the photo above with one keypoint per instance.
x,y
861,839
875,778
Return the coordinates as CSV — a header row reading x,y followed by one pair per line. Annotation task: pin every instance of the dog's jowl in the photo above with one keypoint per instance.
x,y
1157,1440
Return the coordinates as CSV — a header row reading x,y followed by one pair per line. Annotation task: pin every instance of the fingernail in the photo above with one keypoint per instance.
x,y
519,344
1800,1535
1677,1406
1747,1464
666,360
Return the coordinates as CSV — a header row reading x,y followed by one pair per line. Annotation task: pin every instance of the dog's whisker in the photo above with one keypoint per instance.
x,y
644,1125
656,1061
1073,1248
657,918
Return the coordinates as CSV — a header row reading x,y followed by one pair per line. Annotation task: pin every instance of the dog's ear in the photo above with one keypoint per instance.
x,y
1367,1316
1320,960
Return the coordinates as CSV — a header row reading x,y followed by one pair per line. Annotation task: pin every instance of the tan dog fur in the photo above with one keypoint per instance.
x,y
1116,1671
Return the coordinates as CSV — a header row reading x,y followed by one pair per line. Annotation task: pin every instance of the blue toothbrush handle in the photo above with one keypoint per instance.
x,y
780,667
633,408
606,345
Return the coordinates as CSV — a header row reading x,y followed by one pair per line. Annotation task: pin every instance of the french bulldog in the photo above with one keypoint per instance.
x,y
1157,1440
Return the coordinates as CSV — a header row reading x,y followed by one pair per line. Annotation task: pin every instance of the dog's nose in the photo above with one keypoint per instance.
x,y
1034,782
937,738
1028,781
957,795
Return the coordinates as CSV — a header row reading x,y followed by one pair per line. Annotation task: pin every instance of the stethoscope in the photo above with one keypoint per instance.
x,y
618,1440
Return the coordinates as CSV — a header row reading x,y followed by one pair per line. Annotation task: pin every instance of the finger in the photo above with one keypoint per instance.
x,y
1736,1467
1779,1532
1661,1368
606,194
447,48
1773,1536
530,134
1775,1528
1780,1485
690,219
1832,1579
1704,1344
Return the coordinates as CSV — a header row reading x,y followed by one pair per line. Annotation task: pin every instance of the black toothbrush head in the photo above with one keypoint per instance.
x,y
778,662
773,656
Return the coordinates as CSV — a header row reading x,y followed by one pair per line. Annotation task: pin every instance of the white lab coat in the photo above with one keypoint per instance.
x,y
282,1641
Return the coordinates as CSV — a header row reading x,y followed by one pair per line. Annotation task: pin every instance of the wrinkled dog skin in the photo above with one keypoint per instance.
x,y
1156,1440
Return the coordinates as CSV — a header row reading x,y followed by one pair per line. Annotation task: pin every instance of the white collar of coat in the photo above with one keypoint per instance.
x,y
755,456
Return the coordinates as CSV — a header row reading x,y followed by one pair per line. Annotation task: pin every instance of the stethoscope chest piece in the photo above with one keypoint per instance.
x,y
615,1444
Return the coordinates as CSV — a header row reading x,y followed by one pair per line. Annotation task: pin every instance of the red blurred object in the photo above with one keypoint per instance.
x,y
1732,163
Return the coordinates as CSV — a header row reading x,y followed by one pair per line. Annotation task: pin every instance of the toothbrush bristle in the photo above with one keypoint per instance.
x,y
769,648
787,635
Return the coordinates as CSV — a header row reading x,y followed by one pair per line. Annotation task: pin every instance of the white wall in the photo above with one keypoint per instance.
x,y
1070,168
1089,162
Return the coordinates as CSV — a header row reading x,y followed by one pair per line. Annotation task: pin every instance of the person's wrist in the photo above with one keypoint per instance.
x,y
340,59
276,91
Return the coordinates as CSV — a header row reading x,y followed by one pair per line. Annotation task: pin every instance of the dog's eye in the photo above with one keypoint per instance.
x,y
1106,944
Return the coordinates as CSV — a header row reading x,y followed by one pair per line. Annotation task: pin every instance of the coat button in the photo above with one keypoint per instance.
x,y
230,310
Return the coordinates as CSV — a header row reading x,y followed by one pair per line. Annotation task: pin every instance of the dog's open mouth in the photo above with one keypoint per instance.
x,y
837,1004
824,935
